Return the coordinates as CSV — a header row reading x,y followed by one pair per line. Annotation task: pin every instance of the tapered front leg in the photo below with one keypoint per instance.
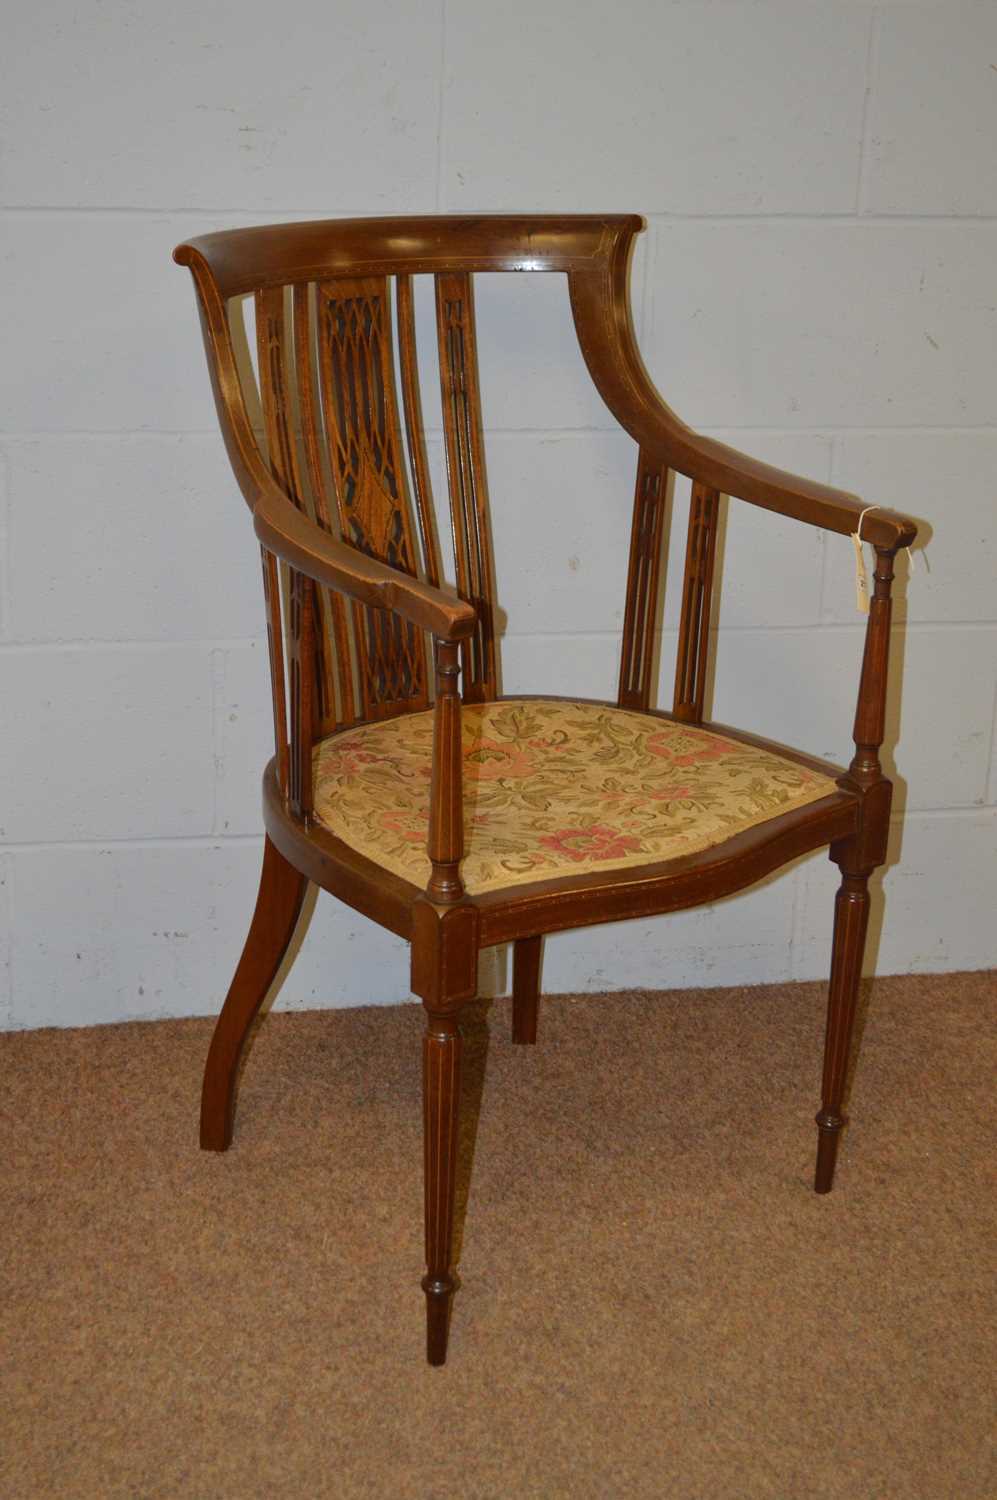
x,y
525,988
856,857
441,1053
851,918
444,975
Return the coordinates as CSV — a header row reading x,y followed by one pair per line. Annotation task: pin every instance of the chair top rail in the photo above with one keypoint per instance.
x,y
243,260
594,251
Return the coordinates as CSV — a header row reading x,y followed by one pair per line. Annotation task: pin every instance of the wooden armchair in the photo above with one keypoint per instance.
x,y
453,816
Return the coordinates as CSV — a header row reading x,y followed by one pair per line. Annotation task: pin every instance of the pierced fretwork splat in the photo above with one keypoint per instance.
x,y
356,379
466,476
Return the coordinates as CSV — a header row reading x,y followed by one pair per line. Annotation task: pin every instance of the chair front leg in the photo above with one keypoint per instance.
x,y
851,918
441,1058
856,857
445,977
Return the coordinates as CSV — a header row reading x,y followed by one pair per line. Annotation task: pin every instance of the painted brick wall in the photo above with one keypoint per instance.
x,y
818,285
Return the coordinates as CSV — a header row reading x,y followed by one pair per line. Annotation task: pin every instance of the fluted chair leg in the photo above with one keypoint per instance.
x,y
851,918
525,988
278,906
441,1105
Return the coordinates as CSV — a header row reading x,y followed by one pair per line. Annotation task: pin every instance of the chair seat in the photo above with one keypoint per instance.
x,y
552,788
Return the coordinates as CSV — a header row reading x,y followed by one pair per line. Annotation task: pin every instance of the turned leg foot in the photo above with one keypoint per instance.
x,y
851,917
441,1100
278,905
525,989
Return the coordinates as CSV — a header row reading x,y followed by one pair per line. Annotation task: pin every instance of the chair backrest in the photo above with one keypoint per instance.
x,y
349,452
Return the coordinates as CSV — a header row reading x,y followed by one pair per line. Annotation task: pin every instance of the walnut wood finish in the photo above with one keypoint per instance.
x,y
329,488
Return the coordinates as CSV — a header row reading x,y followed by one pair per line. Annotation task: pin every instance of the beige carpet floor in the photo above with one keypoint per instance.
x,y
654,1302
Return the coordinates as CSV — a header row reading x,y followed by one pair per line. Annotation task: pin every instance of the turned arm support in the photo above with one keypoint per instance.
x,y
446,796
867,849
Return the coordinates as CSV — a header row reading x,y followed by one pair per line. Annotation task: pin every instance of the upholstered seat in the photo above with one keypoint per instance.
x,y
552,788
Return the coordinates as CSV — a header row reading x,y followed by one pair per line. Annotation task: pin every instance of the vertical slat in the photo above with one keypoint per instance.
x,y
272,342
302,657
697,591
357,385
412,403
281,426
275,643
643,575
466,475
337,658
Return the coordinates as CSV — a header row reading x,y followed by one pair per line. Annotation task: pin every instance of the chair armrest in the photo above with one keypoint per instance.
x,y
287,532
736,474
601,307
280,526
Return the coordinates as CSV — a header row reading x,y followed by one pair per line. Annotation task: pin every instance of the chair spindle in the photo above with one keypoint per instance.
x,y
694,619
465,456
414,432
275,646
643,577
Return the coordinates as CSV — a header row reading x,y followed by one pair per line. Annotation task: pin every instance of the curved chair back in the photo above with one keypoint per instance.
x,y
341,444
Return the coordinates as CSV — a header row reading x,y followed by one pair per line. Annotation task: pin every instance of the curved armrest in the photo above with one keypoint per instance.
x,y
280,526
601,307
736,474
287,532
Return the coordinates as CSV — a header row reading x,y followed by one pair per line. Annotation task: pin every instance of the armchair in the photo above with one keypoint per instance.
x,y
402,782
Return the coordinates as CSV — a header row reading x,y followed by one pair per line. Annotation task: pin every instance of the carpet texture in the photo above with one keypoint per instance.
x,y
654,1301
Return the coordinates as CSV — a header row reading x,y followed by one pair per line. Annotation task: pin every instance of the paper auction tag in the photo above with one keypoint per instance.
x,y
861,581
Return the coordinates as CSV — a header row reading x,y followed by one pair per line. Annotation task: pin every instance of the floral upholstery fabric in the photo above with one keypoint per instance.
x,y
551,789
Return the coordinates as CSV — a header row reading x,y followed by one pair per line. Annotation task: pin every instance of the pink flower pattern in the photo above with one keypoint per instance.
x,y
586,844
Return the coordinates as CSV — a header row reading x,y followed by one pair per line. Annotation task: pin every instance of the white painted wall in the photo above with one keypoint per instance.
x,y
818,284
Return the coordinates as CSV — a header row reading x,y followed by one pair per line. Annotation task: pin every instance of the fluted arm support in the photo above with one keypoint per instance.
x,y
865,773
